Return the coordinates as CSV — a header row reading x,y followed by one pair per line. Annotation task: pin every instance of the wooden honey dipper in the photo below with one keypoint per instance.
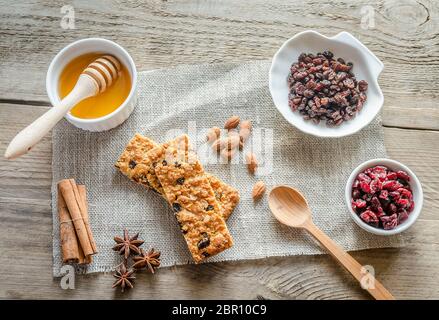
x,y
95,79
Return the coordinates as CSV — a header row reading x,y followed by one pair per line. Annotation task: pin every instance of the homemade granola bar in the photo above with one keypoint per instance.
x,y
191,196
227,196
136,162
130,161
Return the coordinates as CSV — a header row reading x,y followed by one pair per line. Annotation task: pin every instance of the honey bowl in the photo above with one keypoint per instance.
x,y
106,110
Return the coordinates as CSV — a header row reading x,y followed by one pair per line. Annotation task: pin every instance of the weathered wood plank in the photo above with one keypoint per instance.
x,y
166,33
409,272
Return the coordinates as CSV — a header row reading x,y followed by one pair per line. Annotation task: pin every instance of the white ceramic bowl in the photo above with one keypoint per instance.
x,y
366,67
81,47
415,185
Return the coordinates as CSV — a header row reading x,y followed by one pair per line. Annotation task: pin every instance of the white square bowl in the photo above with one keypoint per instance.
x,y
366,67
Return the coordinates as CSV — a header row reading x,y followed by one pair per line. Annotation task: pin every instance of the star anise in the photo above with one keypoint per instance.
x,y
149,259
124,278
128,244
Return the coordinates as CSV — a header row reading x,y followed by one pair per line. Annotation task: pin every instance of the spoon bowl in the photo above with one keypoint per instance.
x,y
289,206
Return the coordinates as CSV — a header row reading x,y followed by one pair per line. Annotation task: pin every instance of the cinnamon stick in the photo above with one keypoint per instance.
x,y
84,259
69,241
85,216
70,193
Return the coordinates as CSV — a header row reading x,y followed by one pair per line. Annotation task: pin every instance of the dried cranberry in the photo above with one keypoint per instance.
x,y
389,185
370,218
403,203
364,177
405,193
392,176
376,185
411,207
395,195
389,222
402,215
360,203
356,194
403,175
384,194
365,187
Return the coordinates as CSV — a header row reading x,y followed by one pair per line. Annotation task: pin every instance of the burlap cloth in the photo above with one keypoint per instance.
x,y
191,99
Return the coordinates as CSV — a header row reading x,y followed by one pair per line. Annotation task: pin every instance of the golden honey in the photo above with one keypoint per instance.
x,y
103,103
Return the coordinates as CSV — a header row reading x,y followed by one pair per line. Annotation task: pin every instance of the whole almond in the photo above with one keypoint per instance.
x,y
232,142
213,134
228,154
251,161
231,123
218,144
258,190
246,128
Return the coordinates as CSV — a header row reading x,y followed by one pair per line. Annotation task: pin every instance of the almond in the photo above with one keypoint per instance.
x,y
258,190
218,144
213,134
233,141
228,154
251,161
244,131
231,123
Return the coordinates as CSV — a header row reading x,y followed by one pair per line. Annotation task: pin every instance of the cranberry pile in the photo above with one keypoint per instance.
x,y
382,197
325,89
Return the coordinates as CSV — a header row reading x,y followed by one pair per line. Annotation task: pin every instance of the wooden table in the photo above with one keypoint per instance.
x,y
161,34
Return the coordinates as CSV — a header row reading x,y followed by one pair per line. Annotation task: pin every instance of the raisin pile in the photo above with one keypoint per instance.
x,y
325,89
382,197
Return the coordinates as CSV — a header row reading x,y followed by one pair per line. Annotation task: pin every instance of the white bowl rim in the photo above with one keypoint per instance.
x,y
375,80
69,116
413,216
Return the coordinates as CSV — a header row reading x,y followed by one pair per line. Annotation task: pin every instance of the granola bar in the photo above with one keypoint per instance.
x,y
136,162
191,196
227,196
130,161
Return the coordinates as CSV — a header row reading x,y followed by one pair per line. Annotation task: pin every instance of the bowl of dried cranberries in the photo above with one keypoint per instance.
x,y
384,197
326,86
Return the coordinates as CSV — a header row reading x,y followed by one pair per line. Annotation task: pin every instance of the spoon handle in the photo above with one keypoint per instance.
x,y
33,133
367,280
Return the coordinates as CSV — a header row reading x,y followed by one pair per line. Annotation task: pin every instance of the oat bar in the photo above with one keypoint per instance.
x,y
191,196
130,161
227,196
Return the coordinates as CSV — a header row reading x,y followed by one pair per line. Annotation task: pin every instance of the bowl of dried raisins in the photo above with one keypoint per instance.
x,y
326,86
384,196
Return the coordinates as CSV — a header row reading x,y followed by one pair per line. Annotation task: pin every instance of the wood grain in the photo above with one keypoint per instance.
x,y
167,33
410,272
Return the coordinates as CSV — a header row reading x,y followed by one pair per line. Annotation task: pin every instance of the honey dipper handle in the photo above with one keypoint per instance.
x,y
32,134
367,280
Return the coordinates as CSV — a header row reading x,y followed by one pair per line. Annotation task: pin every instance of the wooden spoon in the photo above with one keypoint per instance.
x,y
96,78
290,207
